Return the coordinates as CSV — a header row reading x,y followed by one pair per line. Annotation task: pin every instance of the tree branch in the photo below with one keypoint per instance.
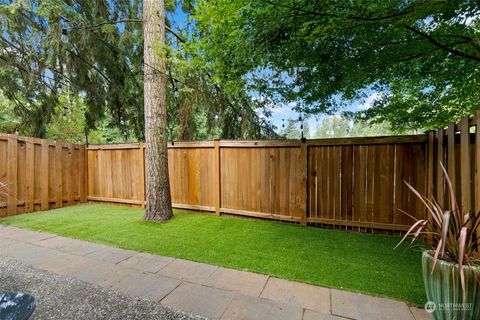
x,y
335,15
167,28
442,46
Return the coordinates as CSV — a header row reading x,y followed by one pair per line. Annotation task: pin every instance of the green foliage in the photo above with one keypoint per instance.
x,y
422,54
9,122
68,120
293,129
94,50
349,261
338,126
333,127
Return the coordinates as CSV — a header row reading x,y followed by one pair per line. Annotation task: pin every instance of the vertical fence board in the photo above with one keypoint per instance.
x,y
465,186
451,169
440,176
29,174
217,178
83,174
44,173
302,191
12,150
477,165
477,162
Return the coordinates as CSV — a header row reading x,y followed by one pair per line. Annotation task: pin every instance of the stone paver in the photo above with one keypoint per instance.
x,y
24,235
146,262
188,270
359,306
421,314
110,254
250,284
300,294
315,315
102,273
29,253
246,308
194,287
204,301
150,286
64,264
5,242
72,246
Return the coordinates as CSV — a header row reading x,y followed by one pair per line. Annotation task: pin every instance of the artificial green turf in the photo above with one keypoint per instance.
x,y
358,262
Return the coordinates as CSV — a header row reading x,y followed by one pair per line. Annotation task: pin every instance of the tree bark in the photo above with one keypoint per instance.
x,y
159,203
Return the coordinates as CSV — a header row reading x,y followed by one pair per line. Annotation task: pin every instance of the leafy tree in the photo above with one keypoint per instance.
x,y
9,122
94,49
333,127
422,54
68,120
294,129
367,129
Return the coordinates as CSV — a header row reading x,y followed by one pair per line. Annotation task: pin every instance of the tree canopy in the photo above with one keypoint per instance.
x,y
94,50
423,55
232,60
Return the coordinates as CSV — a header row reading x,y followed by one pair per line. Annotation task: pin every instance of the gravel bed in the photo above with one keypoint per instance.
x,y
62,298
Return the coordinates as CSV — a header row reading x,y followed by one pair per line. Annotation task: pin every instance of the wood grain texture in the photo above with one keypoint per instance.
x,y
33,170
348,183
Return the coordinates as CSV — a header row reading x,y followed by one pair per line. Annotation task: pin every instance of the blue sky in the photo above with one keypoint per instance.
x,y
282,112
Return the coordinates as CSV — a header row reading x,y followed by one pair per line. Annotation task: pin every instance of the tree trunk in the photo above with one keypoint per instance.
x,y
159,203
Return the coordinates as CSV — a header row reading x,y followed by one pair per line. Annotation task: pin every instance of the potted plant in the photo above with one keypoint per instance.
x,y
451,267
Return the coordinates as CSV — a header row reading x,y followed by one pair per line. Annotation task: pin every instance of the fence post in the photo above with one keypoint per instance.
x,y
430,166
58,172
430,163
451,154
303,177
217,177
465,171
83,171
44,205
29,174
141,146
440,176
477,164
12,174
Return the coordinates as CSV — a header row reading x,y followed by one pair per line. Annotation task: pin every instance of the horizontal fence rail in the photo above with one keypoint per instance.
x,y
40,174
354,183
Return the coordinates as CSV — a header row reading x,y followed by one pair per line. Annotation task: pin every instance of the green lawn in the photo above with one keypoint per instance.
x,y
338,259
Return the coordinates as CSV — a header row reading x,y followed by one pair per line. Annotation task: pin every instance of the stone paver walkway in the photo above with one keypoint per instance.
x,y
202,289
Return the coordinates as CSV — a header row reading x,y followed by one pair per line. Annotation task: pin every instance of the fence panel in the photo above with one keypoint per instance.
x,y
192,173
350,182
360,182
40,174
263,179
116,173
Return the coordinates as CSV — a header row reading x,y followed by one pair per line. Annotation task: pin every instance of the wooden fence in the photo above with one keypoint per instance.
x,y
40,174
458,148
355,183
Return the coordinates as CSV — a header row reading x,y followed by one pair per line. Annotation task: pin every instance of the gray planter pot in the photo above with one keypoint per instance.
x,y
444,289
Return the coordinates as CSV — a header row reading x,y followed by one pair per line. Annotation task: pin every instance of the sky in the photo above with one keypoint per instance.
x,y
282,112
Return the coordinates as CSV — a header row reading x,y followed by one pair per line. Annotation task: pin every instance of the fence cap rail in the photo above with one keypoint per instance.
x,y
420,138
